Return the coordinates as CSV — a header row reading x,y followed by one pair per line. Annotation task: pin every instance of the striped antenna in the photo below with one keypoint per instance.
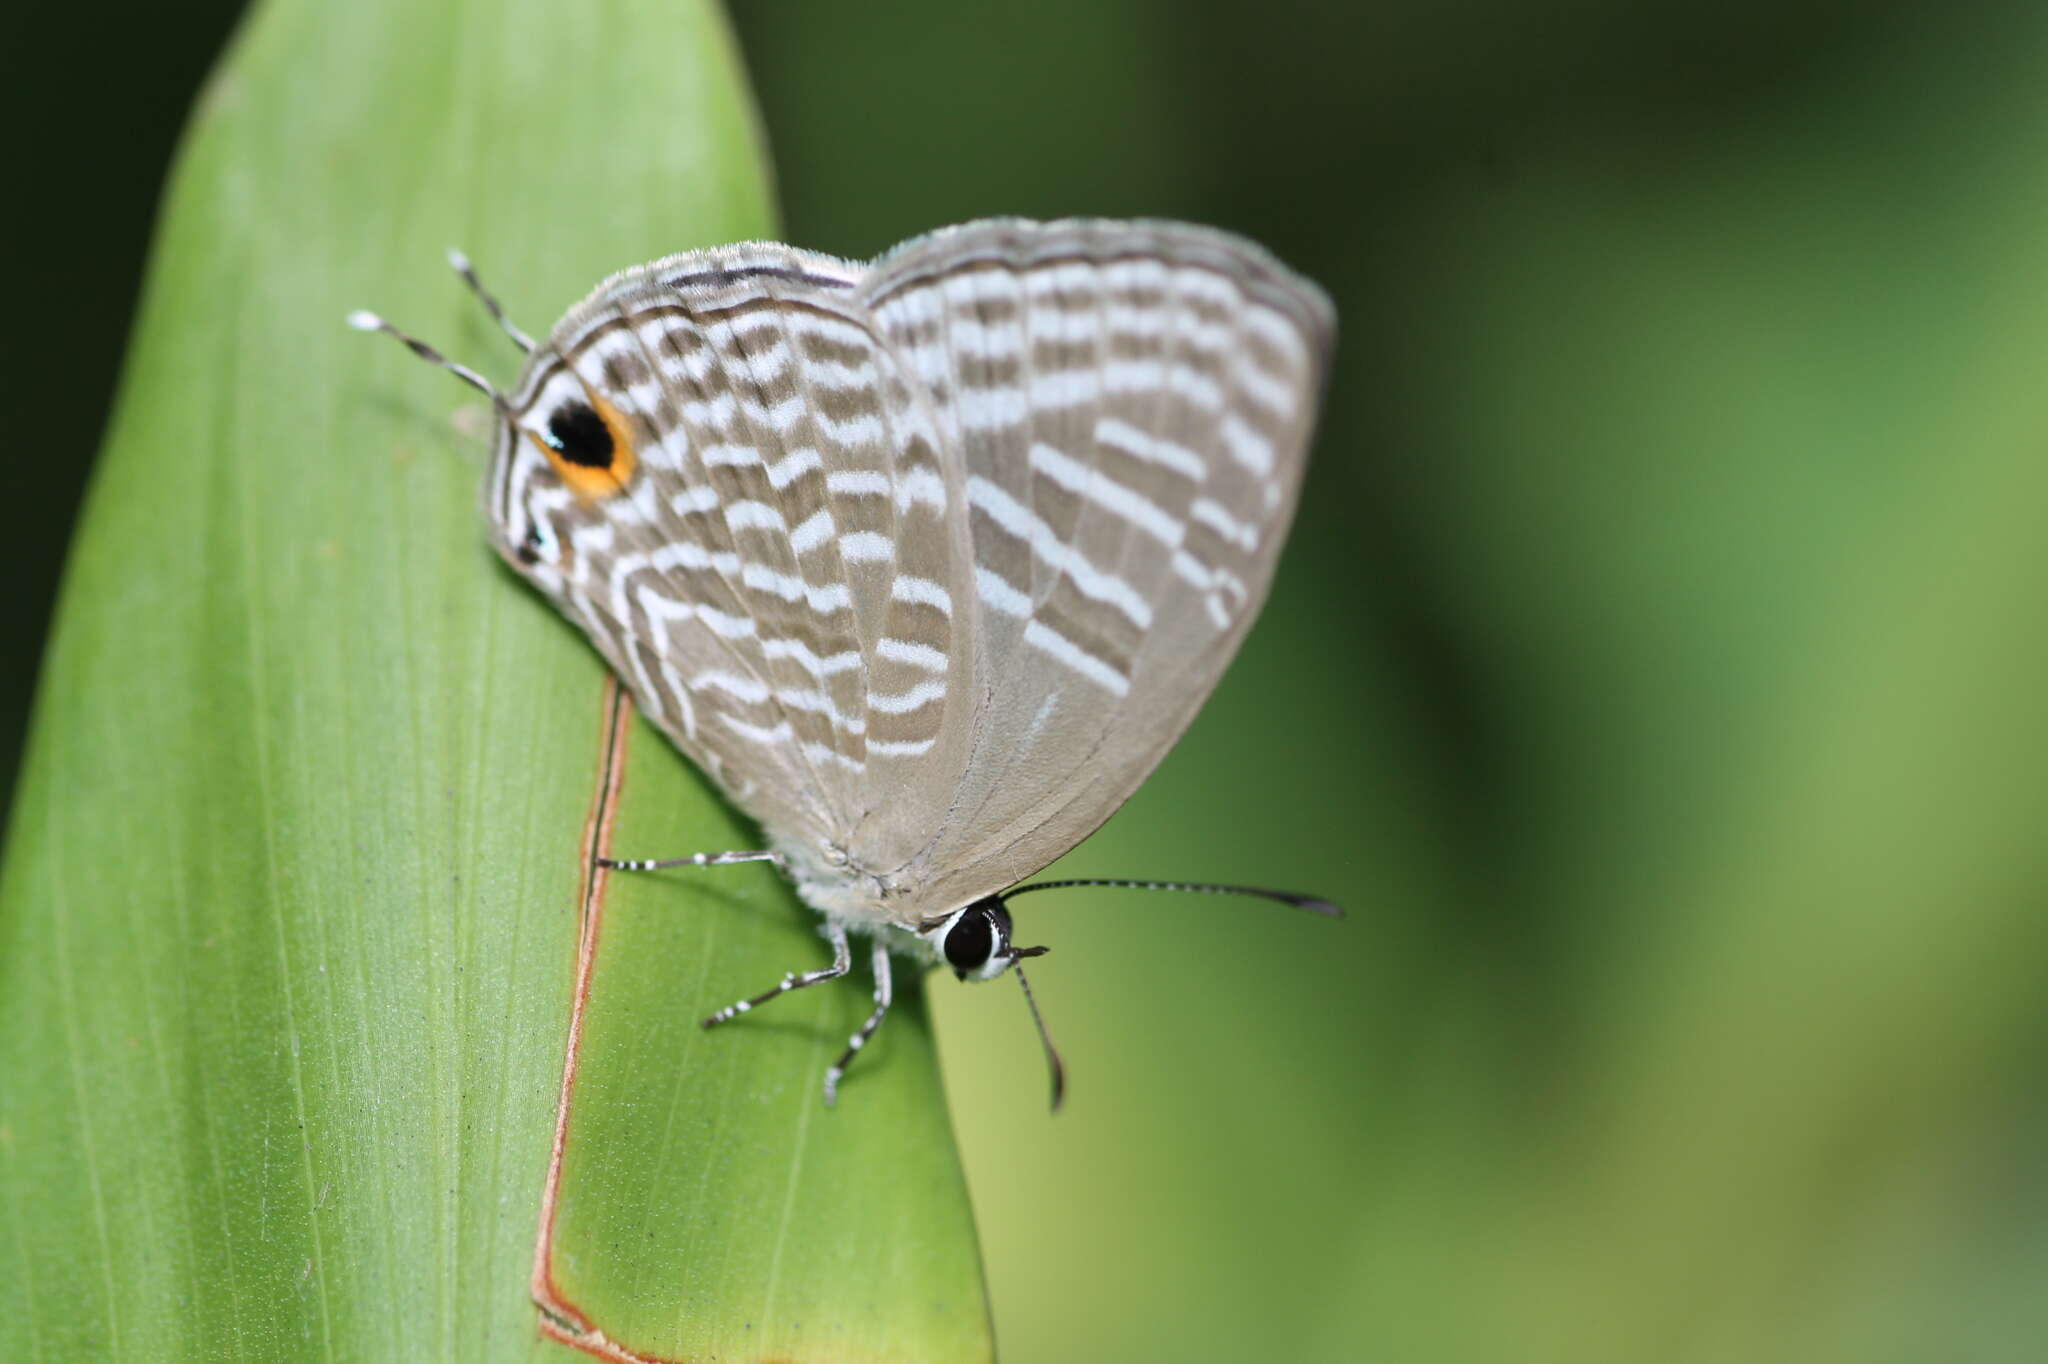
x,y
363,320
1311,903
1052,1053
490,302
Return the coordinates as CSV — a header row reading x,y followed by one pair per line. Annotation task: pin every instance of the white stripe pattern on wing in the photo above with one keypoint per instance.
x,y
866,547
1122,436
1216,517
912,654
1041,636
1277,329
793,466
694,497
1001,594
814,531
1095,486
901,748
903,702
1245,445
807,658
857,483
920,485
1019,520
825,600
922,591
757,515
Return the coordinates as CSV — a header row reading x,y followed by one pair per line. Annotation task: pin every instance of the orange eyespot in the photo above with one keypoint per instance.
x,y
589,447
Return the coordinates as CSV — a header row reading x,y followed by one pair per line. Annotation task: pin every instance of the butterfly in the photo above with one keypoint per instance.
x,y
925,561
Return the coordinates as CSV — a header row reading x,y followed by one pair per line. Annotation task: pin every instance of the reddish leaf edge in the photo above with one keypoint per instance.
x,y
560,1319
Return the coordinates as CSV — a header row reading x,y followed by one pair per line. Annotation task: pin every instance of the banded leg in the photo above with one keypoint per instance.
x,y
867,1029
842,962
724,859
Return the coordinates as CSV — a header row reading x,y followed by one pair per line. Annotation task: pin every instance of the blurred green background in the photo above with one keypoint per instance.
x,y
1657,669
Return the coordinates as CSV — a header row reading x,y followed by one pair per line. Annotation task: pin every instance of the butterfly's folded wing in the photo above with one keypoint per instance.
x,y
928,562
1129,407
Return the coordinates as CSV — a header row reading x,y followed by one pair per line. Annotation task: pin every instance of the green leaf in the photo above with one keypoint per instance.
x,y
291,906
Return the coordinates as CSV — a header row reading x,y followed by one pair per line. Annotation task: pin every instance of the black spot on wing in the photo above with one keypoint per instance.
x,y
580,436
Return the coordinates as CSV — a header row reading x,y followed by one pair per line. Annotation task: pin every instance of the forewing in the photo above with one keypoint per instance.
x,y
1129,406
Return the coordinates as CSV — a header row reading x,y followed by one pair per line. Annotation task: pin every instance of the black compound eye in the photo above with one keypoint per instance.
x,y
970,941
580,436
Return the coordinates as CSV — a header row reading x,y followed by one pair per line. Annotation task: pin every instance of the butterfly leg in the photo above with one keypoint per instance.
x,y
867,1029
724,859
842,962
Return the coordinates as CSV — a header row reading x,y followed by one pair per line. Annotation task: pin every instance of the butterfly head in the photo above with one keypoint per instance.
x,y
975,941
